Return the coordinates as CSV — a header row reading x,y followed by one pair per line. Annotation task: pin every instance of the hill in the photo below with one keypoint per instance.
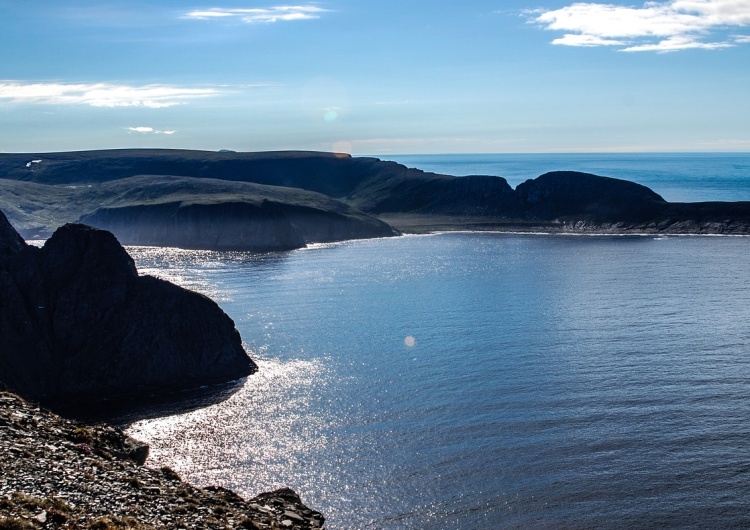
x,y
325,196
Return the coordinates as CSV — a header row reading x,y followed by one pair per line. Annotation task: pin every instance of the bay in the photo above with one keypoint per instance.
x,y
481,380
553,380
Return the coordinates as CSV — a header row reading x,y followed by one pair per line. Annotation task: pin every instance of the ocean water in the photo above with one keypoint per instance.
x,y
481,380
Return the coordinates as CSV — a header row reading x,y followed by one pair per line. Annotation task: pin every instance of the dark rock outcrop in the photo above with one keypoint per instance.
x,y
564,194
77,321
581,202
11,242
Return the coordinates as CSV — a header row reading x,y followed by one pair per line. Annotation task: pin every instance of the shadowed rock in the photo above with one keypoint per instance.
x,y
77,321
225,226
406,197
562,194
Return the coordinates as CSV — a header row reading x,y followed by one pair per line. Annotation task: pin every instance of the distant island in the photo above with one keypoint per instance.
x,y
287,199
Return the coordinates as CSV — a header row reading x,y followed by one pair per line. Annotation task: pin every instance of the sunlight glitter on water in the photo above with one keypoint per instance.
x,y
187,268
277,405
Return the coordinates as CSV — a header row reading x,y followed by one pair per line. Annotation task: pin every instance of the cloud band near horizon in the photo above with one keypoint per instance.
x,y
100,94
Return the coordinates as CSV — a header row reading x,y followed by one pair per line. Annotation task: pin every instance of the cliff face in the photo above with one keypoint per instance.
x,y
231,225
190,212
77,321
226,226
555,201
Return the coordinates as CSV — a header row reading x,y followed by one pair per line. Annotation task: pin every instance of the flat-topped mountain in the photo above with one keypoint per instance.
x,y
283,199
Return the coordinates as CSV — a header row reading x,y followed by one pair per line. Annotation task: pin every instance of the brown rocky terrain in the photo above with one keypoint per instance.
x,y
56,473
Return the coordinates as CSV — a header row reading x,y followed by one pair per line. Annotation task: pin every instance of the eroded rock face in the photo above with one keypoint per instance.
x,y
77,321
226,226
236,225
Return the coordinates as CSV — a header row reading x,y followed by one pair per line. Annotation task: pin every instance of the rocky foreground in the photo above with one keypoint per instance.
x,y
56,473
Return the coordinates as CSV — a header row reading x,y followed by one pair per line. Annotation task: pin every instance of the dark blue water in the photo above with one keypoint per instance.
x,y
481,380
678,177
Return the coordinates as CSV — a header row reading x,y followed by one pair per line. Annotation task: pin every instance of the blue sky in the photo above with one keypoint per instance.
x,y
380,77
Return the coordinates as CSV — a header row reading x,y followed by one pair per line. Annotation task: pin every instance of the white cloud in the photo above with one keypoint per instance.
x,y
656,26
673,44
586,40
100,94
259,15
149,130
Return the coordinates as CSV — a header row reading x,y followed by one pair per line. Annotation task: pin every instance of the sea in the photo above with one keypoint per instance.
x,y
487,380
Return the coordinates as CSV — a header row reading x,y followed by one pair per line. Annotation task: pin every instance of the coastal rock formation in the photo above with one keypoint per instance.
x,y
58,473
190,212
78,322
405,197
237,224
565,194
580,202
224,226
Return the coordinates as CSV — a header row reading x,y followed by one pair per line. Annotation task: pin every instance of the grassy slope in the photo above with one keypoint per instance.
x,y
37,209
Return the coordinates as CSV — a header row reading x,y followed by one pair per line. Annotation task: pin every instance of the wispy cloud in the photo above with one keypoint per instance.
x,y
149,130
259,15
657,26
100,94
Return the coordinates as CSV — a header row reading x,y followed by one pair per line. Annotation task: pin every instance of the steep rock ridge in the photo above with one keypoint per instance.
x,y
77,321
11,242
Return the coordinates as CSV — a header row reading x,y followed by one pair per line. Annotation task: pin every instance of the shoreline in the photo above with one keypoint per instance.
x,y
59,473
429,224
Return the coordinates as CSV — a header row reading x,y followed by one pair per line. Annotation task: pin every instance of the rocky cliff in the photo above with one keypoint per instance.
x,y
190,212
78,321
56,473
581,202
405,197
223,226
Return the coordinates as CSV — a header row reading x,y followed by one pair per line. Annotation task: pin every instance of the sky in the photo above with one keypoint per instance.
x,y
376,77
